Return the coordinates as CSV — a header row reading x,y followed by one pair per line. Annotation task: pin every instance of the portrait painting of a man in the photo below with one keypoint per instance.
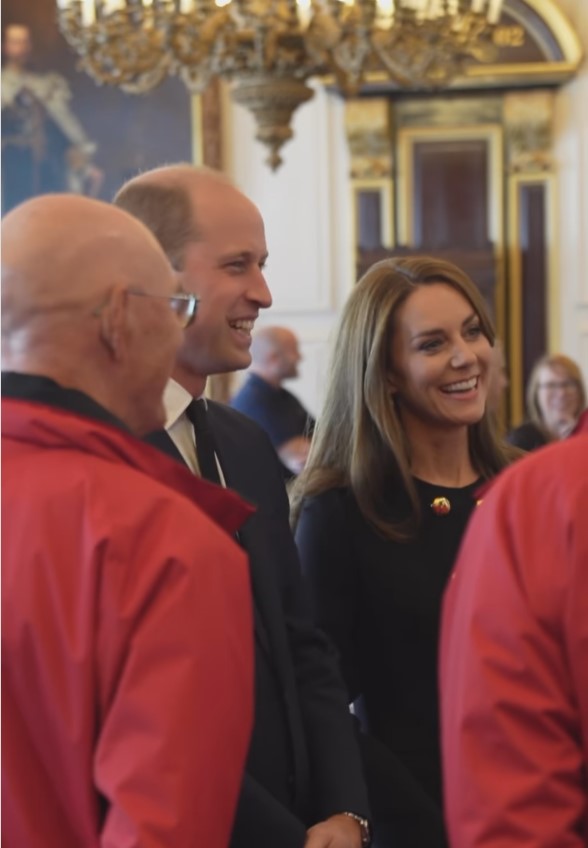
x,y
61,132
44,146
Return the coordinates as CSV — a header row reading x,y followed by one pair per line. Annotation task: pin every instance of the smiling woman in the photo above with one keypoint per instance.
x,y
403,443
440,359
556,398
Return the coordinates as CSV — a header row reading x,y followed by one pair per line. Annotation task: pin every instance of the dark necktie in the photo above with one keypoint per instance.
x,y
196,412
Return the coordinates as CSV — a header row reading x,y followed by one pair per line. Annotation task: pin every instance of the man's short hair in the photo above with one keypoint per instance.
x,y
166,211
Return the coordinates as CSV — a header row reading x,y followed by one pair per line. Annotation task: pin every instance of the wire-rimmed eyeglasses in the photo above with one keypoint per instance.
x,y
183,304
562,385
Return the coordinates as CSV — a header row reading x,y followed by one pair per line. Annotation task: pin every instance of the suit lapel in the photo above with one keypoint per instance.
x,y
248,540
238,473
241,472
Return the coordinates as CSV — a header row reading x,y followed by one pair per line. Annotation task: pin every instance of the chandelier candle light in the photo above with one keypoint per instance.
x,y
269,49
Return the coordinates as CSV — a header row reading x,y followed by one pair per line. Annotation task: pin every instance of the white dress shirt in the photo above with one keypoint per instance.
x,y
179,427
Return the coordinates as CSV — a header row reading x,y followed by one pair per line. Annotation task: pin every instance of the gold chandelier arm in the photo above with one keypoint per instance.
x,y
415,53
270,49
126,48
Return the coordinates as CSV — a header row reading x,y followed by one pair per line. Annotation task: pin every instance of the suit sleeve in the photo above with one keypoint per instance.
x,y
328,564
176,681
262,820
514,660
338,781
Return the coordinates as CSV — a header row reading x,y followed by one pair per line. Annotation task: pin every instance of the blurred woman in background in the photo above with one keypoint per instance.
x,y
556,397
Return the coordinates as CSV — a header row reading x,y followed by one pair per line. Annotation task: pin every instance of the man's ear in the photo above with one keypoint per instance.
x,y
113,322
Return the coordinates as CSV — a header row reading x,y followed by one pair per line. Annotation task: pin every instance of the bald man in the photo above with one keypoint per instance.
x,y
303,784
115,626
275,357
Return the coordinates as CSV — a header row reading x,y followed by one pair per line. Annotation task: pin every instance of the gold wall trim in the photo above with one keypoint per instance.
x,y
409,136
514,306
384,185
479,77
554,290
520,70
515,299
197,129
560,27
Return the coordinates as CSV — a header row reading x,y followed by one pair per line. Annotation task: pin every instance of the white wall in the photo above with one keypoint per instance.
x,y
571,152
306,205
307,213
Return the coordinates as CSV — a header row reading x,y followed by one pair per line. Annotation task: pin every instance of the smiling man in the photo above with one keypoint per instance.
x,y
303,784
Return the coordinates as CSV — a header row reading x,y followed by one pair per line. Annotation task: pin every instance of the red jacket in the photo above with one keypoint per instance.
x,y
514,661
127,664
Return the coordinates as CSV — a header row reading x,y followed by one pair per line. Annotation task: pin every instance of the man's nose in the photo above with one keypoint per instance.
x,y
259,290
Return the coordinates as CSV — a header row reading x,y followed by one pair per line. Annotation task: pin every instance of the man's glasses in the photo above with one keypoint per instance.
x,y
184,305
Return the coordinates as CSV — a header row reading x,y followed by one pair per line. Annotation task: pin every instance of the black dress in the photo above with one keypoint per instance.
x,y
381,602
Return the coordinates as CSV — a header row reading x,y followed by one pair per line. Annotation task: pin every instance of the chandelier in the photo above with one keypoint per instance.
x,y
269,49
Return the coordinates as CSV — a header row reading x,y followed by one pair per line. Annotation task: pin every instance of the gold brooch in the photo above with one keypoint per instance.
x,y
441,506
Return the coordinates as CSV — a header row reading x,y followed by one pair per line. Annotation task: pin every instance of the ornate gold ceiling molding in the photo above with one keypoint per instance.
x,y
536,43
560,27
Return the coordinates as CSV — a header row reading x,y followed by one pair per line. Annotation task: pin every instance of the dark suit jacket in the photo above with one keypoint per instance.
x,y
303,763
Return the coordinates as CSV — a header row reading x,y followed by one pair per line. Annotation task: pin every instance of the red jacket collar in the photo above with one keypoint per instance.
x,y
47,427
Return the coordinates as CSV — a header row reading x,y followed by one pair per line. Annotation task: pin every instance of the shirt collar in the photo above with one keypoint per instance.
x,y
176,400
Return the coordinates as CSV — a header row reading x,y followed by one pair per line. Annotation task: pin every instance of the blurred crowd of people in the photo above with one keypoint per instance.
x,y
397,655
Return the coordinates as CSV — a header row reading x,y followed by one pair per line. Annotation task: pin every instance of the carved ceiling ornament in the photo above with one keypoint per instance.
x,y
368,129
528,131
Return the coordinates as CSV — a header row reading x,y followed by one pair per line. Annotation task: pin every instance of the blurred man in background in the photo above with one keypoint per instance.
x,y
275,356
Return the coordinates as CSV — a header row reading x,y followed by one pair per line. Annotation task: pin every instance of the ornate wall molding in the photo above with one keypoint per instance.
x,y
535,43
528,131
